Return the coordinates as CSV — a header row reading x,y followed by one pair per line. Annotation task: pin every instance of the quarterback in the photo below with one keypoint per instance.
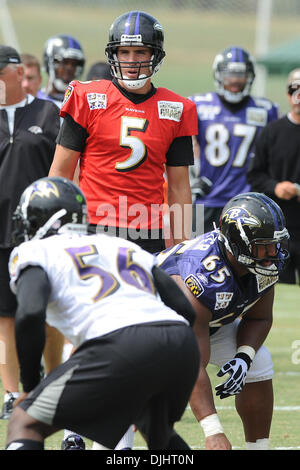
x,y
126,134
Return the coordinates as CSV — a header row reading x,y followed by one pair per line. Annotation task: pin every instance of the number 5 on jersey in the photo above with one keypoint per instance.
x,y
138,149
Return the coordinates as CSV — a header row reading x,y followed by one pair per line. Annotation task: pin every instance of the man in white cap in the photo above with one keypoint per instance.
x,y
28,129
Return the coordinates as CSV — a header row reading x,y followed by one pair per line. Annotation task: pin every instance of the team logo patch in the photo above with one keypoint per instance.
x,y
223,299
194,285
68,93
171,110
256,116
96,100
236,215
35,130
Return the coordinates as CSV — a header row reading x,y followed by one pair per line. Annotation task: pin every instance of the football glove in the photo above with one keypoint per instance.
x,y
237,368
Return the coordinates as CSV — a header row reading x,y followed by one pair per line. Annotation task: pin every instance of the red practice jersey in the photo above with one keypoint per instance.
x,y
122,165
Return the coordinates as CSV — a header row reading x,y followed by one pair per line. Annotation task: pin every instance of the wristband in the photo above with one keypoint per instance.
x,y
211,425
247,350
246,353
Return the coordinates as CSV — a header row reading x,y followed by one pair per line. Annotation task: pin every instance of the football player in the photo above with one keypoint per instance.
x,y
64,61
229,274
124,132
229,121
123,314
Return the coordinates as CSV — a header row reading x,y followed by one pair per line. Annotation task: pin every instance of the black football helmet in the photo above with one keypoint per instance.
x,y
58,48
252,220
45,207
135,28
233,61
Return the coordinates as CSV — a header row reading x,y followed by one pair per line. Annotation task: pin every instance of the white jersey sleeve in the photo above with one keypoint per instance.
x,y
27,254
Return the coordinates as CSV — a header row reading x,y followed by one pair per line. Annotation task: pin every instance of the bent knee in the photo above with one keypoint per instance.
x,y
262,366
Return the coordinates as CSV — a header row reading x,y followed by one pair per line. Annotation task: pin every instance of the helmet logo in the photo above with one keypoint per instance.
x,y
235,214
157,27
44,189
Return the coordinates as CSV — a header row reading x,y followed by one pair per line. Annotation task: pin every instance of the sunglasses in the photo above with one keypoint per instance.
x,y
293,89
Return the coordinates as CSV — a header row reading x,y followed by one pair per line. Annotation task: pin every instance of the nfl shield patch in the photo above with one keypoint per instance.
x,y
68,93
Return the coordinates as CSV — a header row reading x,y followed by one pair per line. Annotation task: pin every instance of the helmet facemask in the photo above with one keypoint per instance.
x,y
227,71
231,72
119,67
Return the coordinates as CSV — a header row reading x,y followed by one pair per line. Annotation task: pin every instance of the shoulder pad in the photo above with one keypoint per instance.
x,y
206,97
264,103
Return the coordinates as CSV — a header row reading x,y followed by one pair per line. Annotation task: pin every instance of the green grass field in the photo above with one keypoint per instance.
x,y
285,432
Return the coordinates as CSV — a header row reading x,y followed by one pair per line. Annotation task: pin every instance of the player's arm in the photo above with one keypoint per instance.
x,y
180,202
252,332
257,322
64,162
201,400
71,141
171,294
33,290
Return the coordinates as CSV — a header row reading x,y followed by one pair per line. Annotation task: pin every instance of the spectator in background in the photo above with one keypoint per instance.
x,y
230,120
64,61
99,70
32,80
28,129
275,170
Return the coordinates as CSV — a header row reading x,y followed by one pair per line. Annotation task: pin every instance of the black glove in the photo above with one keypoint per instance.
x,y
201,187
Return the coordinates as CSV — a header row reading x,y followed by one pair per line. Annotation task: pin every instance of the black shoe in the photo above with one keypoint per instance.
x,y
73,442
7,407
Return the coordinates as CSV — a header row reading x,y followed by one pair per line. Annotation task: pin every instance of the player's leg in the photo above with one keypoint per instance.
x,y
53,348
71,441
255,407
25,432
9,364
126,443
176,375
255,403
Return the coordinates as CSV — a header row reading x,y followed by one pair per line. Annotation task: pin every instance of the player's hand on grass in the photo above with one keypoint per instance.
x,y
217,442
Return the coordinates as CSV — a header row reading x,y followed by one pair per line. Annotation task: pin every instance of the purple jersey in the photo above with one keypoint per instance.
x,y
203,266
226,141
